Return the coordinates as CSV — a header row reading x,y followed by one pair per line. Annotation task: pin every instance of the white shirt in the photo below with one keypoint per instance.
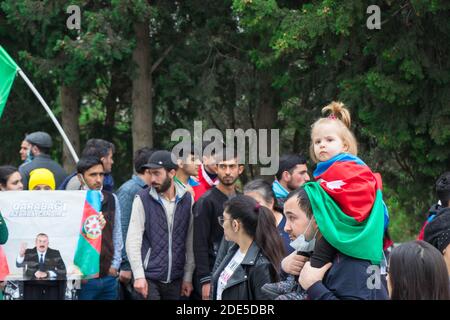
x,y
169,208
228,272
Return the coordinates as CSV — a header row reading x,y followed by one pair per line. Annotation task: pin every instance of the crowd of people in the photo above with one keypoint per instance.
x,y
189,230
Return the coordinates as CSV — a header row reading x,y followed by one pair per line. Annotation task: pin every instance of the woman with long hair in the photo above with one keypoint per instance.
x,y
255,257
417,271
262,192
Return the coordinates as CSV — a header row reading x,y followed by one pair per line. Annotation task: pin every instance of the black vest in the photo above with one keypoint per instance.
x,y
107,251
164,252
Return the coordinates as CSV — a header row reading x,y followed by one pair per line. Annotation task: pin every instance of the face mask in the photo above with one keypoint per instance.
x,y
301,244
30,156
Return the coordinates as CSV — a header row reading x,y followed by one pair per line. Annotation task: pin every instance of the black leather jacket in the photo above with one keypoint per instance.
x,y
246,282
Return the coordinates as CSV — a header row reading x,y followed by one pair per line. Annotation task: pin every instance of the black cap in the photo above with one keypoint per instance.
x,y
161,159
437,231
40,138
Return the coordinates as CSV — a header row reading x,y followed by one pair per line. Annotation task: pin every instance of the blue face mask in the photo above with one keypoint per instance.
x,y
30,156
301,244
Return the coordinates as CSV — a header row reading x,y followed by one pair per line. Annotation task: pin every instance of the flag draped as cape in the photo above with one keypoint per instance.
x,y
348,206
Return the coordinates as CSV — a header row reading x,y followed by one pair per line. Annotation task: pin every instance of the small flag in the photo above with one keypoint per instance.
x,y
87,254
8,69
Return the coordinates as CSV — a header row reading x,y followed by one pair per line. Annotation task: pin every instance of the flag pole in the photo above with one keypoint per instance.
x,y
50,113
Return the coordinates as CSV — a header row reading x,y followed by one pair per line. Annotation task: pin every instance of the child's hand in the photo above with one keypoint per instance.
x,y
293,263
311,275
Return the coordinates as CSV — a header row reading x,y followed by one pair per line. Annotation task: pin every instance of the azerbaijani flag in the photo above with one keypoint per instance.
x,y
348,206
351,184
362,240
87,254
8,69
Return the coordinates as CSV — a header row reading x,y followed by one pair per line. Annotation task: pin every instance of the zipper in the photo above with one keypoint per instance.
x,y
169,227
147,257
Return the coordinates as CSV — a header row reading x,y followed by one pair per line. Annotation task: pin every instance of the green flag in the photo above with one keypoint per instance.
x,y
8,69
363,240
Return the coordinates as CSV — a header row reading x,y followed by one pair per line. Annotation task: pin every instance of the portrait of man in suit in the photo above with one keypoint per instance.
x,y
43,269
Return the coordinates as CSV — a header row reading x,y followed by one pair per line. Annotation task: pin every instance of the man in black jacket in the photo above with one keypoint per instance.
x,y
208,233
41,142
44,271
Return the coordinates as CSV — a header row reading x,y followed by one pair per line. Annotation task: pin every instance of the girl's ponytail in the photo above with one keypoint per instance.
x,y
338,111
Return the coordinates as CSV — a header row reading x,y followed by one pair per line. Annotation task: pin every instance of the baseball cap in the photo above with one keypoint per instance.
x,y
161,159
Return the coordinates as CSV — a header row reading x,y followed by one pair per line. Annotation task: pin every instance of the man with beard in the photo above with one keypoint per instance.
x,y
292,173
159,240
91,173
208,232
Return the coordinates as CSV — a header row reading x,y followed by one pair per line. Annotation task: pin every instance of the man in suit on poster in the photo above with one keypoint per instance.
x,y
44,271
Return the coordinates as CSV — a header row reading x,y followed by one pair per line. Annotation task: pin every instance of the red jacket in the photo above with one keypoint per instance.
x,y
204,183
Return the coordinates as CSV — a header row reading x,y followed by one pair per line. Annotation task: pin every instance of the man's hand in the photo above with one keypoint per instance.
x,y
141,287
113,272
293,263
186,288
101,220
125,276
40,275
310,275
23,247
205,291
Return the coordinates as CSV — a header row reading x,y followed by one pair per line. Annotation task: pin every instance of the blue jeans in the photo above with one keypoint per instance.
x,y
105,288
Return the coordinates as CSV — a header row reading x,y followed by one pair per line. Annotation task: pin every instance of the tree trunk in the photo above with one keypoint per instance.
x,y
142,125
70,105
267,115
111,106
296,142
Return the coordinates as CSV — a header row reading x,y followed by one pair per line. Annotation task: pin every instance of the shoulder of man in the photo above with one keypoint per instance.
x,y
345,267
107,195
53,251
26,167
206,200
126,186
30,251
207,196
